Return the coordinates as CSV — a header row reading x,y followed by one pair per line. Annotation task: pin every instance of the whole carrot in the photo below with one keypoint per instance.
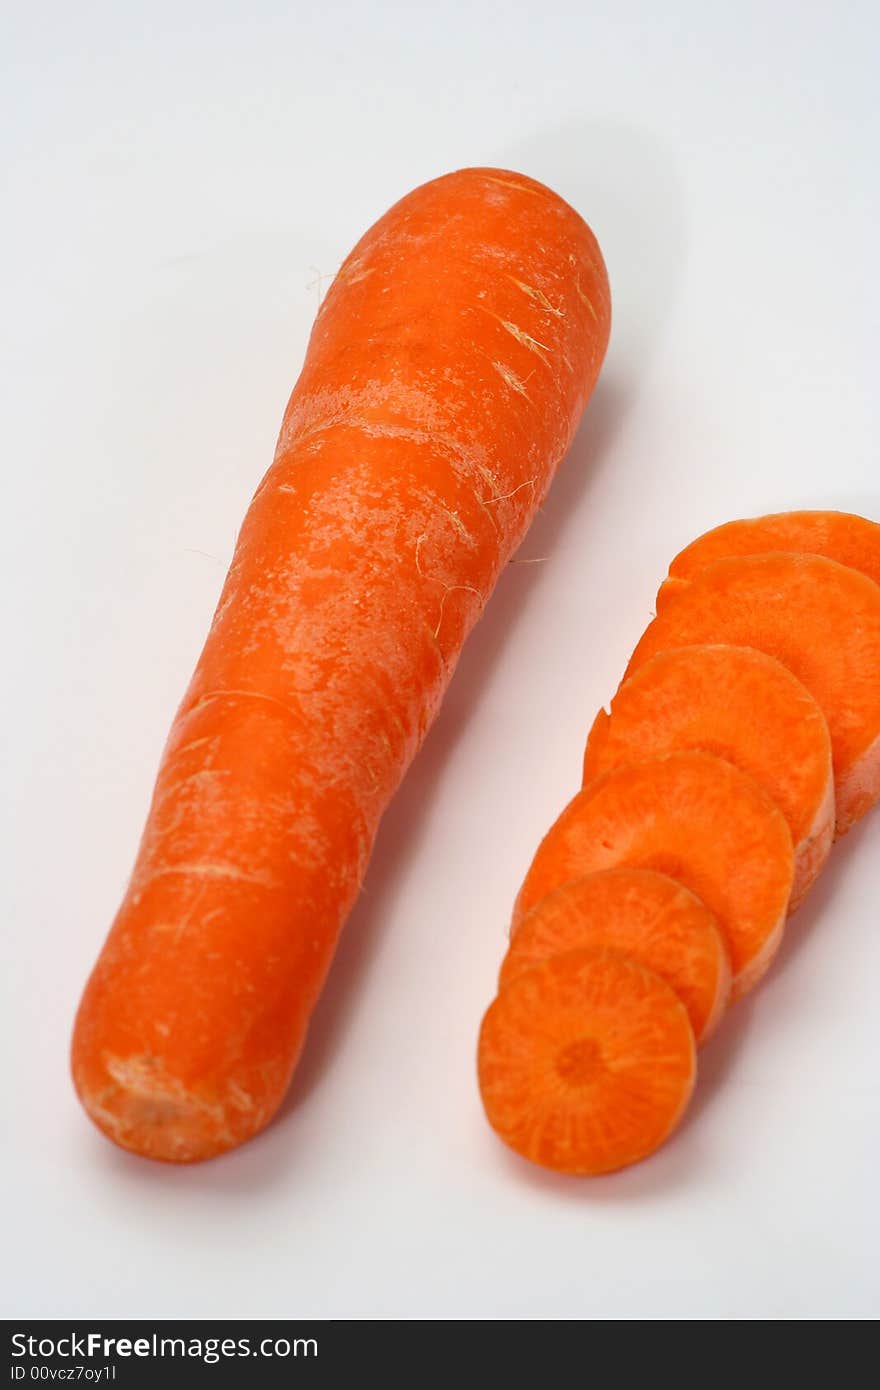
x,y
446,373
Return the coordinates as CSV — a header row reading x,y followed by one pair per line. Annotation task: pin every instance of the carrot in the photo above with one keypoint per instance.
x,y
850,540
447,370
586,1062
741,705
821,620
640,914
696,818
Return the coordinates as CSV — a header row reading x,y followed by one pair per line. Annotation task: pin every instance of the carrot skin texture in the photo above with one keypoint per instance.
x,y
446,373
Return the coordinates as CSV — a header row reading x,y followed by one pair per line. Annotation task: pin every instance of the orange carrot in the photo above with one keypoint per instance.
x,y
640,914
820,619
586,1062
447,370
850,540
741,705
696,818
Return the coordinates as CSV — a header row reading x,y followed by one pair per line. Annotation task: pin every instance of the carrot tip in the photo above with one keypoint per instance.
x,y
151,1114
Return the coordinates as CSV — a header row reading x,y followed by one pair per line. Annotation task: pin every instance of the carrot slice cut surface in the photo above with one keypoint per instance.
x,y
851,540
696,818
640,914
586,1062
741,705
819,618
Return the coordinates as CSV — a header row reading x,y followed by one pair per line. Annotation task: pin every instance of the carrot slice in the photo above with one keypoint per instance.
x,y
741,705
819,618
586,1062
851,540
639,914
696,818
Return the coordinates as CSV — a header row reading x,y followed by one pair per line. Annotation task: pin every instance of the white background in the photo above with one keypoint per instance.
x,y
180,178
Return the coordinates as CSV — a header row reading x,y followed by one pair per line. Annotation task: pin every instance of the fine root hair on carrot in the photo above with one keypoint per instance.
x,y
539,297
695,818
741,705
586,1062
817,617
642,915
505,496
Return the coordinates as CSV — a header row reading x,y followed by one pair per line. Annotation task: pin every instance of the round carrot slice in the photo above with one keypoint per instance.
x,y
696,818
586,1062
741,705
640,914
851,540
819,618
